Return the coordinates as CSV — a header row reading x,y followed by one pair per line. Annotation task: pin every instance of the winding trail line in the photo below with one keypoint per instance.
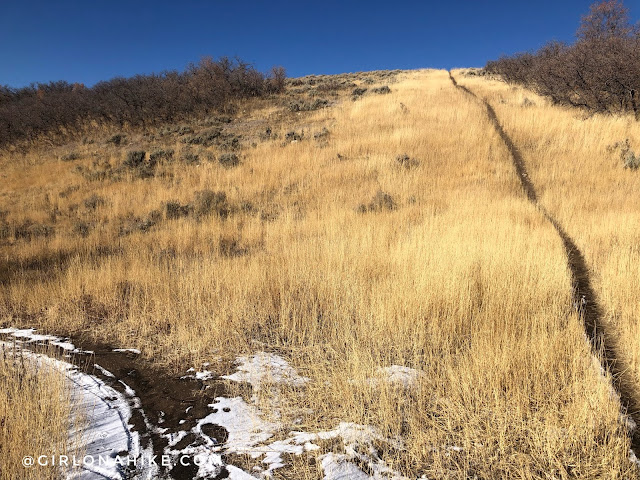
x,y
603,343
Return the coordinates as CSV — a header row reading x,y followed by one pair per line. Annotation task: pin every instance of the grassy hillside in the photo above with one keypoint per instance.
x,y
349,230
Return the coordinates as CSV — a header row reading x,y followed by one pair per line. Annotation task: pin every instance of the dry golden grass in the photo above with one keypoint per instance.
x,y
34,416
582,181
464,280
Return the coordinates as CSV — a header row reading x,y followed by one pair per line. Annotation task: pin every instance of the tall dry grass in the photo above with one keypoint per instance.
x,y
581,179
463,280
34,416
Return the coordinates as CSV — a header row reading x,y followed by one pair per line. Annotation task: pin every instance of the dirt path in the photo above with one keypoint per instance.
x,y
603,343
161,404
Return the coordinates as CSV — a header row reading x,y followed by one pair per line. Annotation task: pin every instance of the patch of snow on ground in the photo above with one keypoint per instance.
x,y
236,474
337,467
401,376
104,371
127,350
249,433
30,335
243,422
203,375
358,441
266,368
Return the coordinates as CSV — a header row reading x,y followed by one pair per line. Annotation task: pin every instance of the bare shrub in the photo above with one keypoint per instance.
x,y
157,99
208,202
161,155
229,142
140,224
206,138
382,90
381,201
82,228
358,92
190,158
175,210
294,136
599,72
321,134
93,202
629,158
229,160
134,159
407,162
229,246
28,230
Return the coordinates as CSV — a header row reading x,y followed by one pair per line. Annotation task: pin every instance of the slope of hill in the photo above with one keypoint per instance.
x,y
369,236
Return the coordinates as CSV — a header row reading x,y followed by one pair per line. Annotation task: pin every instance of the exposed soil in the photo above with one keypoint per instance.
x,y
166,401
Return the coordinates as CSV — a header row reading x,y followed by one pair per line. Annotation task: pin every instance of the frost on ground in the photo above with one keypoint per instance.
x,y
100,432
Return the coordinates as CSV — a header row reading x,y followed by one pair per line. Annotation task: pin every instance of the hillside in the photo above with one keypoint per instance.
x,y
372,260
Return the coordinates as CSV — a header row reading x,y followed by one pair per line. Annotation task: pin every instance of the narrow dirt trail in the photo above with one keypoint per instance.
x,y
603,342
162,405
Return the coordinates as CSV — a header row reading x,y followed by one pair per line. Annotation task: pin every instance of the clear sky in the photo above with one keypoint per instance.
x,y
91,40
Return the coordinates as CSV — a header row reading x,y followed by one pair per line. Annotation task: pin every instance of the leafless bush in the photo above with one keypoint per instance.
x,y
134,159
380,201
302,106
175,210
629,158
208,202
599,72
29,229
230,247
405,161
82,228
161,155
229,160
382,90
293,136
203,88
140,224
358,92
321,134
93,202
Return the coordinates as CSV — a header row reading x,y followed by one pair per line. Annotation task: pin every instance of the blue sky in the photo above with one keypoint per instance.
x,y
92,40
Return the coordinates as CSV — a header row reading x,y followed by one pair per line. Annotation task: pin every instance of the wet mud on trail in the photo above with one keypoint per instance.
x,y
603,342
161,404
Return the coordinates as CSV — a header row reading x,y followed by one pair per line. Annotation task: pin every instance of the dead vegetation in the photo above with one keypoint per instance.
x,y
251,237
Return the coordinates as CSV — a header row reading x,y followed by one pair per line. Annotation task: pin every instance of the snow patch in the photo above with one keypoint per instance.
x,y
266,369
243,422
337,467
104,371
30,335
401,376
203,375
